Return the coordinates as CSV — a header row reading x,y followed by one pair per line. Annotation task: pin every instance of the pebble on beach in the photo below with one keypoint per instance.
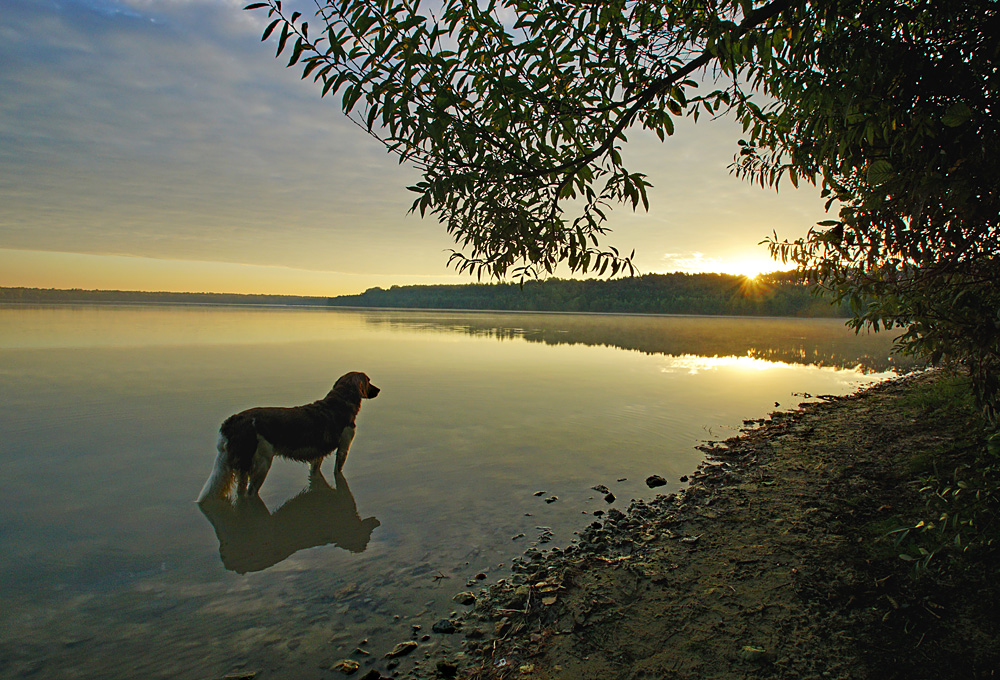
x,y
444,627
402,649
465,598
346,666
447,669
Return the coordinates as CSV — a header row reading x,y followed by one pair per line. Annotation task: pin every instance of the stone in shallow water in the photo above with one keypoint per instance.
x,y
654,481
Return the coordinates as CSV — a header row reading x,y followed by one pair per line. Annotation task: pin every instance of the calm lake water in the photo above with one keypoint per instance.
x,y
109,421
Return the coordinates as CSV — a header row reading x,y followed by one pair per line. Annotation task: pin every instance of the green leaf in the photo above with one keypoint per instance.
x,y
879,173
269,29
285,32
957,114
993,444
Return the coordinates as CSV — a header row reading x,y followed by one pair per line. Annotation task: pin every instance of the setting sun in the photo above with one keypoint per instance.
x,y
751,268
750,265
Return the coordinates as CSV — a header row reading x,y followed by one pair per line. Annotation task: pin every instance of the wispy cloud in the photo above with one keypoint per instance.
x,y
165,129
180,137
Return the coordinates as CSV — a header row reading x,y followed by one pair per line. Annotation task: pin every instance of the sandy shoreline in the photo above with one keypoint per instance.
x,y
770,564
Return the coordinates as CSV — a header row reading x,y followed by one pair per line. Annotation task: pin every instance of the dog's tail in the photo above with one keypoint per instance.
x,y
219,482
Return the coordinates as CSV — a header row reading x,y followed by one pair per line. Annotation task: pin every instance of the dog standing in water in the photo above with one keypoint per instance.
x,y
249,440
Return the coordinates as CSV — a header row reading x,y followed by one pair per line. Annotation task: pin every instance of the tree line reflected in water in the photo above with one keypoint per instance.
x,y
814,342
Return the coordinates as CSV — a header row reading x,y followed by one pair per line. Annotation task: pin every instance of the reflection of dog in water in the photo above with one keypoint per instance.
x,y
252,539
248,441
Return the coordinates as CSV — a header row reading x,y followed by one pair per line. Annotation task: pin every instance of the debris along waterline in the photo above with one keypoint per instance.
x,y
713,569
539,576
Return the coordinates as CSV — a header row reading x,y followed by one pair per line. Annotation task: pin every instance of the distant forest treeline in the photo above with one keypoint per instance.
x,y
723,294
726,294
54,295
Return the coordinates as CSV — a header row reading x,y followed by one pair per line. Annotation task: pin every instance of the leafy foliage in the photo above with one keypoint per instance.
x,y
515,112
960,485
895,111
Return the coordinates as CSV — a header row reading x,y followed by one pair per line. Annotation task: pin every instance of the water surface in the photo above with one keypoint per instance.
x,y
110,419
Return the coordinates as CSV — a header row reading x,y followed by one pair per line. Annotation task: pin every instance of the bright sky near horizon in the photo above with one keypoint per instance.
x,y
159,145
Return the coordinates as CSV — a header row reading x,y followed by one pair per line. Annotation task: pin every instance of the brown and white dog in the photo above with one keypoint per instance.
x,y
249,440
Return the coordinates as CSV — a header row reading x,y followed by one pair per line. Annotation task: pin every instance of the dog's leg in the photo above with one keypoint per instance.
x,y
316,479
343,446
258,470
242,478
218,483
258,473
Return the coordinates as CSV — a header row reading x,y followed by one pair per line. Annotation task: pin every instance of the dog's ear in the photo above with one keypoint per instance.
x,y
356,382
365,387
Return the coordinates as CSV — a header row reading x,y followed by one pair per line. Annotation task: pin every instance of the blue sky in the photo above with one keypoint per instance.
x,y
158,144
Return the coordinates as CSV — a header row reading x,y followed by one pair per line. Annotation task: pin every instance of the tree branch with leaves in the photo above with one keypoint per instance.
x,y
516,111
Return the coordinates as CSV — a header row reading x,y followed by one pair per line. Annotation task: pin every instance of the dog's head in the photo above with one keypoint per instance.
x,y
355,384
